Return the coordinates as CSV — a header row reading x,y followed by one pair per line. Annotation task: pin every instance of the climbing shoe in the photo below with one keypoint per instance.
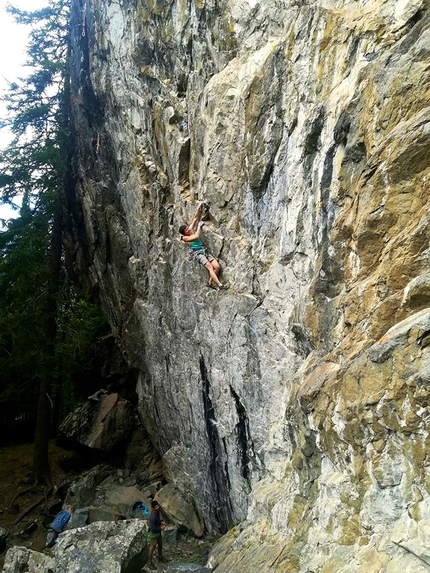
x,y
223,287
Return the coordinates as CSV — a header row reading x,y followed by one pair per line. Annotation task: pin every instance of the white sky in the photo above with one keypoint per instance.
x,y
13,41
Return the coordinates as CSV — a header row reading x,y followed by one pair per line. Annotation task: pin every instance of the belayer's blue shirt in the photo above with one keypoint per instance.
x,y
154,522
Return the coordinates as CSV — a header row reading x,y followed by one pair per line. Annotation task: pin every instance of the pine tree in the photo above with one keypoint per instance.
x,y
34,288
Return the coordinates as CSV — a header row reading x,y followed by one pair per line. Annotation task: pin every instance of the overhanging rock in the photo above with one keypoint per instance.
x,y
101,423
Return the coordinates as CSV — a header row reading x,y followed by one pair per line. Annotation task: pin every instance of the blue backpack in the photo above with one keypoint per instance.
x,y
57,526
60,521
139,509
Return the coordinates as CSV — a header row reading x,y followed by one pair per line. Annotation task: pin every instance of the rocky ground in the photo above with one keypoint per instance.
x,y
17,496
17,493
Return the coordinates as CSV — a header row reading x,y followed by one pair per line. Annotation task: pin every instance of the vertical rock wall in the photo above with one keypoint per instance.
x,y
305,126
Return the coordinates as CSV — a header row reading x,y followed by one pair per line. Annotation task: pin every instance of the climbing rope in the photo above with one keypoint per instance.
x,y
83,20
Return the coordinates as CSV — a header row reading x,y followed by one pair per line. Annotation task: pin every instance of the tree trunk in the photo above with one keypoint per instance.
x,y
56,399
41,437
43,421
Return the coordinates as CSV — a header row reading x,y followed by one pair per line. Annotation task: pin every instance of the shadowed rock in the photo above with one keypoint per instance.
x,y
101,423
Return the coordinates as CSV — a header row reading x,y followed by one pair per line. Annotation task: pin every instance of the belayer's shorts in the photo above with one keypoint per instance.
x,y
153,537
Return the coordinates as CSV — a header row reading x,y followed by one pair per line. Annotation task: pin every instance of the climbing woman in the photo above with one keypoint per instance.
x,y
198,253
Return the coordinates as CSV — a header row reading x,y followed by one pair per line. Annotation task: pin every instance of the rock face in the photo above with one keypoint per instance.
x,y
298,400
103,422
179,510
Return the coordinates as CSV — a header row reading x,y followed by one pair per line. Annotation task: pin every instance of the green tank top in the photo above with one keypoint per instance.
x,y
196,245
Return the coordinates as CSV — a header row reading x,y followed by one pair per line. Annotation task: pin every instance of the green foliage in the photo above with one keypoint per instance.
x,y
23,285
82,333
34,161
81,328
33,296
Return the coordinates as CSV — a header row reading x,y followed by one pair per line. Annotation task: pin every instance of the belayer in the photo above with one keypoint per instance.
x,y
156,526
198,253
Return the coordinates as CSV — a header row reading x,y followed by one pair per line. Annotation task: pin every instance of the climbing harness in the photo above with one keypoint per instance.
x,y
194,255
84,20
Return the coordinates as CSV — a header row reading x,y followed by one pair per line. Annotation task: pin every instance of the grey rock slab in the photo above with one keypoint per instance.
x,y
102,547
103,514
20,559
121,495
178,509
101,423
79,518
83,491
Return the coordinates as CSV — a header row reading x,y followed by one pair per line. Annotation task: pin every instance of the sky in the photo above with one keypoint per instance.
x,y
13,41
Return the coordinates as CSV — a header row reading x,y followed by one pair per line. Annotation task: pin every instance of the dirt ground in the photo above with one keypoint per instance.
x,y
15,477
30,531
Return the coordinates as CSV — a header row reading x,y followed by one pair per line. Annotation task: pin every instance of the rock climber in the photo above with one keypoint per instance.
x,y
156,526
198,253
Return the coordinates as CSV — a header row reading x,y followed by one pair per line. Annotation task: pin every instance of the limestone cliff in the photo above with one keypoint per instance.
x,y
297,402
